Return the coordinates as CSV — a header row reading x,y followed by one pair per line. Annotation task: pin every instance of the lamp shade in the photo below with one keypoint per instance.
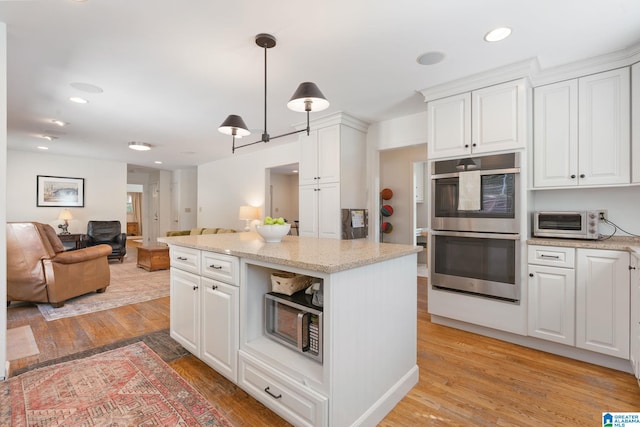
x,y
234,125
308,98
248,212
65,215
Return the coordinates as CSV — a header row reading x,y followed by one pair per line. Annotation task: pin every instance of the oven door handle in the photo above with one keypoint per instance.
x,y
503,236
482,172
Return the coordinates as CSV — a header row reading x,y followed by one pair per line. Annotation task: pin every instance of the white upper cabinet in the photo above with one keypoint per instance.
x,y
320,156
581,131
635,123
487,120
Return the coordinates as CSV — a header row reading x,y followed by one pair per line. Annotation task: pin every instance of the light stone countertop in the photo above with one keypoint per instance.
x,y
615,243
323,255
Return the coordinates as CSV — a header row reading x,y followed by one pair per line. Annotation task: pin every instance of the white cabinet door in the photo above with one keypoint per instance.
x,y
635,122
498,118
449,126
634,354
602,301
220,327
604,128
185,309
329,225
552,303
555,135
418,181
308,166
308,211
329,154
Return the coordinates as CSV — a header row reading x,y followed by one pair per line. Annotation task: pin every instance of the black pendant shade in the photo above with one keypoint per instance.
x,y
234,125
306,98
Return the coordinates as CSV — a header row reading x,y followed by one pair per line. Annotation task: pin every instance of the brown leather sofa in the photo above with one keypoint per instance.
x,y
39,270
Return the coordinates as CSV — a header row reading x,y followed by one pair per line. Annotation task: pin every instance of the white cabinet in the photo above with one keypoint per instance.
x,y
602,301
587,306
635,123
319,211
581,131
184,322
634,355
204,306
332,174
486,120
552,294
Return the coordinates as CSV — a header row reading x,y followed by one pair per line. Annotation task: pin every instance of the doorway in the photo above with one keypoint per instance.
x,y
281,193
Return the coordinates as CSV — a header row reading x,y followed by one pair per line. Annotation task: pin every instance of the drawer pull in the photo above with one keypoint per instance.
x,y
266,390
181,258
549,256
215,267
214,287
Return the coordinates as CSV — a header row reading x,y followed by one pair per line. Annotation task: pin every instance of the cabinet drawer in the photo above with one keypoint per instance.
x,y
220,267
552,255
186,259
297,404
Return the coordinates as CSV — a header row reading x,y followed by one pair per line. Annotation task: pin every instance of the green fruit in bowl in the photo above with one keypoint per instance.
x,y
268,221
280,221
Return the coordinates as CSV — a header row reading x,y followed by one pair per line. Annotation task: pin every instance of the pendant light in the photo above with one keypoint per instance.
x,y
306,98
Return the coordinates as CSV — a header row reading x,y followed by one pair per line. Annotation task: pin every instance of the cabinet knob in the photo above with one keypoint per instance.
x,y
573,176
195,288
582,175
631,267
474,144
214,287
530,274
466,145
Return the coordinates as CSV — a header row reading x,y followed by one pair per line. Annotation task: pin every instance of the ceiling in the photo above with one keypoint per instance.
x,y
170,71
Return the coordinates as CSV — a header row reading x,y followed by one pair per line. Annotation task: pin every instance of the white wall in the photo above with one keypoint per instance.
x,y
399,132
622,204
396,173
105,188
227,184
285,197
3,194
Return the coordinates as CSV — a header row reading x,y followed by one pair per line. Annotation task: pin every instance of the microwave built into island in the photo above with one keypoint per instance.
x,y
369,307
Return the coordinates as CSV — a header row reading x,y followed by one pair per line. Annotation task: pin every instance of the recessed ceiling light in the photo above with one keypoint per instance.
x,y
158,162
47,137
139,146
430,58
42,147
78,100
497,34
59,122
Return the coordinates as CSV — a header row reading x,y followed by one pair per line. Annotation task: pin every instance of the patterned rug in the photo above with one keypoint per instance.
x,y
123,387
129,285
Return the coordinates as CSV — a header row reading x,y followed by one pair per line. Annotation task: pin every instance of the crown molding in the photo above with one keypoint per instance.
x,y
596,64
515,71
339,118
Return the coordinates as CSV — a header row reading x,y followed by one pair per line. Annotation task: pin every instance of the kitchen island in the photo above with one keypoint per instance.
x,y
218,283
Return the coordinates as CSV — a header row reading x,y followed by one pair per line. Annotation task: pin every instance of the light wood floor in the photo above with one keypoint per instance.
x,y
465,379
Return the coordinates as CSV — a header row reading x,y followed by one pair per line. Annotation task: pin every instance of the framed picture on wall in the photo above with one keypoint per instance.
x,y
59,191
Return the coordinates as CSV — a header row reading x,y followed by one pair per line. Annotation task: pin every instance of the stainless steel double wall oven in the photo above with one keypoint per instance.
x,y
475,226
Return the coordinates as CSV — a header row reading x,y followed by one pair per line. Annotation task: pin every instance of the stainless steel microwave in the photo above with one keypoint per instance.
x,y
294,322
567,224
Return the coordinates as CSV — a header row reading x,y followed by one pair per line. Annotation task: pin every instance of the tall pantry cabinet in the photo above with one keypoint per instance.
x,y
332,174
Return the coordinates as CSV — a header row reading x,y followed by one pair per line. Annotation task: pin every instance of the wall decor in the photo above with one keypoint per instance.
x,y
58,191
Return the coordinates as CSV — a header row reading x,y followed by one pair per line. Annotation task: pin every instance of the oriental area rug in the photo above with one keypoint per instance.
x,y
123,387
129,285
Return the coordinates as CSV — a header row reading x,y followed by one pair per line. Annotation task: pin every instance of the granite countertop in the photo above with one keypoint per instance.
x,y
323,255
615,243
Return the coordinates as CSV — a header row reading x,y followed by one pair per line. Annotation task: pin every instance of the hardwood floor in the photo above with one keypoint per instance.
x,y
465,379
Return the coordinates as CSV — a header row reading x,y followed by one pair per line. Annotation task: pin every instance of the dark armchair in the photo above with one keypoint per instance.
x,y
109,233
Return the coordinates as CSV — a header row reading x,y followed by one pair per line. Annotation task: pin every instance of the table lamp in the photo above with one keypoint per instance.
x,y
248,213
66,216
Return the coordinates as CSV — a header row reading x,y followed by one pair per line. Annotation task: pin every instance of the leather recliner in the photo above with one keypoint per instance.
x,y
108,233
39,270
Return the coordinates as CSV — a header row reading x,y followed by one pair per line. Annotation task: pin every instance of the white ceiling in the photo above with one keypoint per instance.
x,y
172,70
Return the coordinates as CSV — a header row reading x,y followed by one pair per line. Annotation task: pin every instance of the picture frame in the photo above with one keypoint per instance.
x,y
60,191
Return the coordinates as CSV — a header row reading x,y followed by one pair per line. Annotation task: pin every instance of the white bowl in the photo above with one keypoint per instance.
x,y
273,233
